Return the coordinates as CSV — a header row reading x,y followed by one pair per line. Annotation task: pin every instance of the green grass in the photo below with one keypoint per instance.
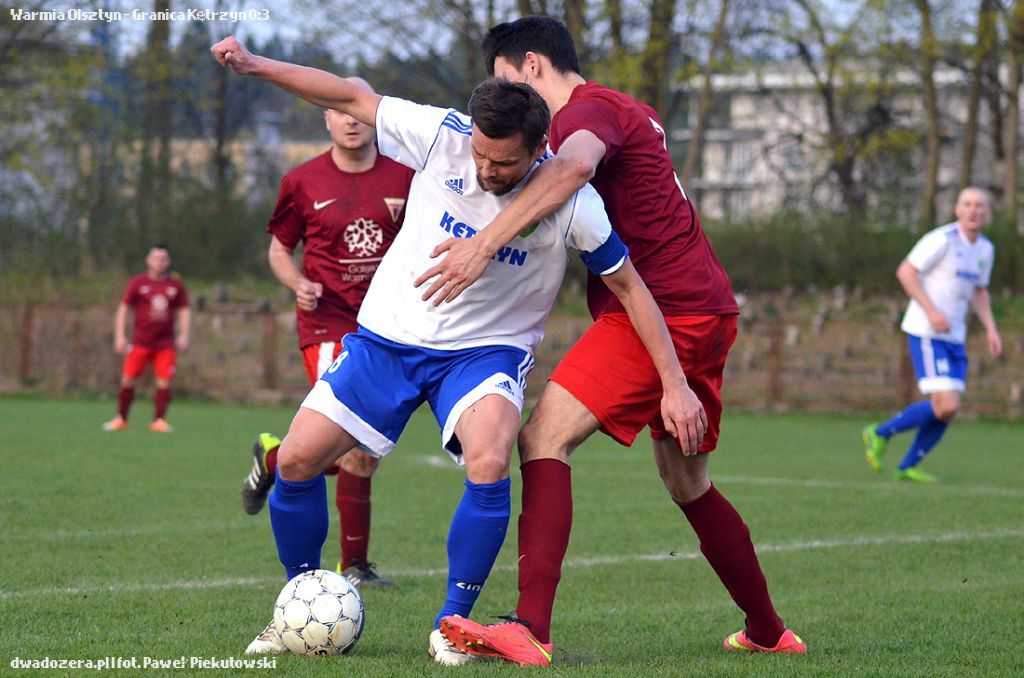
x,y
134,544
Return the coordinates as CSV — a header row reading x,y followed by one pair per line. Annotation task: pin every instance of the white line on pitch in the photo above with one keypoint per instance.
x,y
199,584
810,483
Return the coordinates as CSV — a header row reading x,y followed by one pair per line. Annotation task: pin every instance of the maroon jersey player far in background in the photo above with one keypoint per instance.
x,y
156,299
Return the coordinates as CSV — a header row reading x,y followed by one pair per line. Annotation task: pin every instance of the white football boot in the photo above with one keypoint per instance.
x,y
443,652
268,642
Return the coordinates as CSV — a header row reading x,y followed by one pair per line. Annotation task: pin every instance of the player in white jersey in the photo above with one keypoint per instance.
x,y
946,272
467,359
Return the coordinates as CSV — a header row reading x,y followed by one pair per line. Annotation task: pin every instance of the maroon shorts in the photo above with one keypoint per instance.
x,y
611,373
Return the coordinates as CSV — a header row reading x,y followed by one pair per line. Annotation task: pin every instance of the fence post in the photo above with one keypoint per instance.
x,y
775,363
25,342
269,349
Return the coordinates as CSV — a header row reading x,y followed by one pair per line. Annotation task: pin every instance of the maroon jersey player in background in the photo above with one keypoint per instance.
x,y
618,144
345,207
156,299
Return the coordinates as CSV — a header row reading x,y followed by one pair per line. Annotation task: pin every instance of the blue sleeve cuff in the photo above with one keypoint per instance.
x,y
607,258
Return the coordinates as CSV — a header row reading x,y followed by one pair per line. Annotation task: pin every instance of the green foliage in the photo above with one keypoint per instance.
x,y
800,251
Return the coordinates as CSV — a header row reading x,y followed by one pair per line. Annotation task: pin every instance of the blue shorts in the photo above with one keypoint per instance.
x,y
939,365
375,385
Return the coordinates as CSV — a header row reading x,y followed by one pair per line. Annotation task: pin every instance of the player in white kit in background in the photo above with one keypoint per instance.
x,y
946,272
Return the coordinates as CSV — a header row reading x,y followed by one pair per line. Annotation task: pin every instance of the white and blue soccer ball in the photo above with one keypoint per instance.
x,y
319,612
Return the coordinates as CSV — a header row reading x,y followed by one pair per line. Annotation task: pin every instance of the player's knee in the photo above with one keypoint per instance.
x,y
358,463
488,465
946,409
293,464
537,441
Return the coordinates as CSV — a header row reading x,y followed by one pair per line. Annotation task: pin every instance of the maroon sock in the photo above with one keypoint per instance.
x,y
271,459
725,542
163,399
353,502
124,400
544,527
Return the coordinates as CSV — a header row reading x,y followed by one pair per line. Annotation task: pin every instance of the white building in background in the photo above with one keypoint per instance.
x,y
762,149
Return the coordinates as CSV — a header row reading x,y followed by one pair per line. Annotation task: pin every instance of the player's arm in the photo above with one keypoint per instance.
x,y
554,182
184,328
286,270
120,323
981,302
315,86
910,279
681,410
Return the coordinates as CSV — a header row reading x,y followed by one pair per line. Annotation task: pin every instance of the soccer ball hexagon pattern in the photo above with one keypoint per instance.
x,y
319,612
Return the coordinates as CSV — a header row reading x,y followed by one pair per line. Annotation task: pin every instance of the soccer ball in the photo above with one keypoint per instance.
x,y
319,612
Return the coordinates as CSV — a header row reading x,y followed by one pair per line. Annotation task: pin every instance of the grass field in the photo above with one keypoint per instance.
x,y
134,544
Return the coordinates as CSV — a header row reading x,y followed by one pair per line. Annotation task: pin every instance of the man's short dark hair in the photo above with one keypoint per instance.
x,y
503,109
160,246
541,34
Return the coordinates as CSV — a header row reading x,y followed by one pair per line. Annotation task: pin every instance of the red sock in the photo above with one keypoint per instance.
x,y
725,542
124,400
353,502
544,527
163,399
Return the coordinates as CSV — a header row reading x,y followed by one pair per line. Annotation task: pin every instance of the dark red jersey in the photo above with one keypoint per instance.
x,y
346,222
154,303
646,205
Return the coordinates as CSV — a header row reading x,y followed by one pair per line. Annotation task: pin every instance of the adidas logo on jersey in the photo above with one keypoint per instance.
x,y
455,183
506,386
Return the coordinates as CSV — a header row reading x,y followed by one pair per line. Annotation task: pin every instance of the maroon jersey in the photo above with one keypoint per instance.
x,y
155,303
346,222
646,205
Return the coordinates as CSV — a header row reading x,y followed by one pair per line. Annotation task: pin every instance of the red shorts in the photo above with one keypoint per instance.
x,y
316,358
611,373
164,362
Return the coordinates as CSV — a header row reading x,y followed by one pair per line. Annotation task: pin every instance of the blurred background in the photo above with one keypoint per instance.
x,y
818,139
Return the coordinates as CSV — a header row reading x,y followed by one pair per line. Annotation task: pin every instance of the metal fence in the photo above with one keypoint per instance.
x,y
248,353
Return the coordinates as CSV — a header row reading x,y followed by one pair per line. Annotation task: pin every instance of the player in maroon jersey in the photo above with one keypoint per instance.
x,y
156,299
618,144
345,206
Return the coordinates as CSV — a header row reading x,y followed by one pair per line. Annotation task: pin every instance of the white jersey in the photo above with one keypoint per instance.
x,y
951,268
510,302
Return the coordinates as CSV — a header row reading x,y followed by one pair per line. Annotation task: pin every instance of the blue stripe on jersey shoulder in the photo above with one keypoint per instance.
x,y
456,122
952,230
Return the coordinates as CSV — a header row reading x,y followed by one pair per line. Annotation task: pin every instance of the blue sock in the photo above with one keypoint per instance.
x,y
927,437
298,514
477,532
915,416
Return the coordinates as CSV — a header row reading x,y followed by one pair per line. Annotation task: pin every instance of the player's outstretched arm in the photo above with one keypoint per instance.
x,y
681,410
554,182
315,86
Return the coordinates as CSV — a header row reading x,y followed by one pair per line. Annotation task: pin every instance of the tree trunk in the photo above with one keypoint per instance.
x,y
985,41
929,55
576,20
1015,58
704,97
155,167
654,89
